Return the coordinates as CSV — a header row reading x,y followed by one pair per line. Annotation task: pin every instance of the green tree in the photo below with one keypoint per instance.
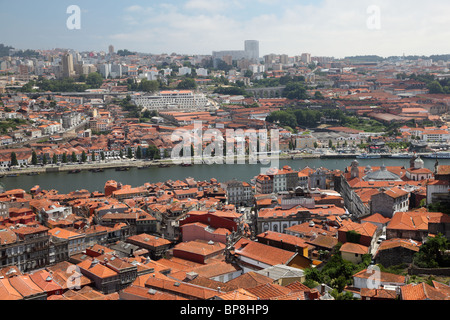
x,y
432,253
14,161
94,80
44,160
83,156
74,157
34,159
435,88
102,155
187,84
295,91
93,155
129,153
55,159
318,95
139,153
64,158
149,86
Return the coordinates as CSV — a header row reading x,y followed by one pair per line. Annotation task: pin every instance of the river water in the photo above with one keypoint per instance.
x,y
65,182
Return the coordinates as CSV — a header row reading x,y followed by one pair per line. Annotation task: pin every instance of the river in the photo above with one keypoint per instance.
x,y
65,182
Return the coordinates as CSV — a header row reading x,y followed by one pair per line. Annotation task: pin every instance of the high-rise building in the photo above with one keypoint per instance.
x,y
111,49
306,58
67,66
252,50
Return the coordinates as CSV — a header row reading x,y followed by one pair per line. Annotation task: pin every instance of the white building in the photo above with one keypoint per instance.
x,y
184,70
202,72
172,100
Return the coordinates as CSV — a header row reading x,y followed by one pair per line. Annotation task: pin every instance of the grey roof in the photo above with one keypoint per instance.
x,y
281,271
382,175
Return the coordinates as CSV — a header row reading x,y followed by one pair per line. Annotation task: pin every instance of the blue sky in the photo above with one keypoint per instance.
x,y
324,28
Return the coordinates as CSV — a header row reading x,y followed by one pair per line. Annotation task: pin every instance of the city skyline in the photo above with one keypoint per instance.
x,y
324,28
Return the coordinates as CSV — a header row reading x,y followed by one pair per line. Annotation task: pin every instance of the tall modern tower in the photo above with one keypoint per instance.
x,y
67,66
252,49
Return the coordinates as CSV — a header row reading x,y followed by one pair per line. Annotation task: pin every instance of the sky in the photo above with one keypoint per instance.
x,y
336,28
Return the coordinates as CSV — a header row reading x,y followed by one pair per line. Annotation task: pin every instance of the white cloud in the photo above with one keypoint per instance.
x,y
334,28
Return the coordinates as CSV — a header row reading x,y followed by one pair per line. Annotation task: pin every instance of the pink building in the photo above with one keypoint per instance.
x,y
200,231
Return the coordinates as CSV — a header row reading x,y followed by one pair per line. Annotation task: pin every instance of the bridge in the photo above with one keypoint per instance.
x,y
271,92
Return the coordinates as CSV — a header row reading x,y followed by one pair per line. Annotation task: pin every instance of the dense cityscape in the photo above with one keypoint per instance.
x,y
352,202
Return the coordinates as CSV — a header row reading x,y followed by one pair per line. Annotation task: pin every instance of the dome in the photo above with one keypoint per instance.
x,y
382,175
418,163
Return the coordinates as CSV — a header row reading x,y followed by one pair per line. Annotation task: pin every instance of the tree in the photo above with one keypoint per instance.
x,y
83,156
44,160
34,159
93,155
129,153
55,159
149,86
295,90
74,157
102,155
188,84
432,253
14,161
94,80
64,158
318,95
435,88
139,153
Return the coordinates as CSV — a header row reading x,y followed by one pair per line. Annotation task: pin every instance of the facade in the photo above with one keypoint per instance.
x,y
238,193
26,247
387,202
183,100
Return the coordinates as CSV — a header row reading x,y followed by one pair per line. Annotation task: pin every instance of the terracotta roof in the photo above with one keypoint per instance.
x,y
238,295
249,280
421,291
411,220
7,291
384,276
25,286
45,281
364,229
395,243
324,241
143,293
354,248
97,269
276,236
377,218
200,247
378,293
180,288
263,253
269,290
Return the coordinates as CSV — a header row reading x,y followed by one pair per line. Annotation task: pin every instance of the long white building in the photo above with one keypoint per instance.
x,y
172,100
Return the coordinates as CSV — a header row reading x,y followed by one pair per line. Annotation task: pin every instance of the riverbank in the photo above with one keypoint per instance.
x,y
124,164
141,164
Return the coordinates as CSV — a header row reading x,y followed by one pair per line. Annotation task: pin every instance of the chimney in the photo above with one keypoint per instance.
x,y
322,289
